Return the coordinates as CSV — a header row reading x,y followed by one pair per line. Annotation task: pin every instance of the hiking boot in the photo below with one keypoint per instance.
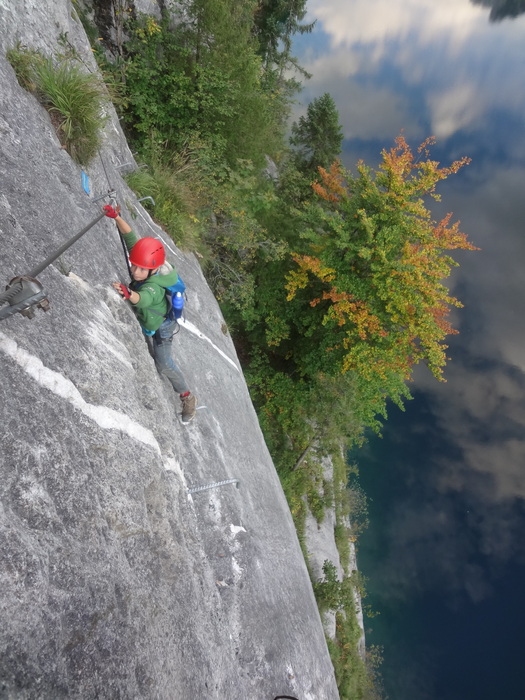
x,y
189,407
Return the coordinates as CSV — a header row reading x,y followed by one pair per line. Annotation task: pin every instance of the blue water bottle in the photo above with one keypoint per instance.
x,y
178,304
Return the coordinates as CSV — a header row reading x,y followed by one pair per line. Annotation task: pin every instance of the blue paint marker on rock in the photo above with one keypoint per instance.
x,y
85,181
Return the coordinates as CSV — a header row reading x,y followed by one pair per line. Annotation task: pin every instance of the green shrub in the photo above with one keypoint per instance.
x,y
342,541
357,678
177,189
328,590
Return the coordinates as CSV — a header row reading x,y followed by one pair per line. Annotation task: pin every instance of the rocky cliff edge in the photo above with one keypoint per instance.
x,y
115,581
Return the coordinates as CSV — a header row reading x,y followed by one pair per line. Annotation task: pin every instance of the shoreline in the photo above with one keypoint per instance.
x,y
321,546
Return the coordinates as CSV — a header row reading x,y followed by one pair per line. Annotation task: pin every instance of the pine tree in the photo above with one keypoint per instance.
x,y
318,136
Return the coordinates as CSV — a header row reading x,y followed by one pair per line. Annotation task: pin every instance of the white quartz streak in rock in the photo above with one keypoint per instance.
x,y
106,418
193,329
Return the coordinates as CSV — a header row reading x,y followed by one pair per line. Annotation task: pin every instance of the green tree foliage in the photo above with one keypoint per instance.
x,y
369,282
275,23
363,296
236,240
316,140
201,75
318,136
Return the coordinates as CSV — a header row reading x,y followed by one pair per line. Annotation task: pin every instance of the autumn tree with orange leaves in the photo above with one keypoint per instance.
x,y
366,295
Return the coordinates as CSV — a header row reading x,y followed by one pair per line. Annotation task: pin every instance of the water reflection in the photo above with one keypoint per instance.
x,y
502,9
417,65
448,481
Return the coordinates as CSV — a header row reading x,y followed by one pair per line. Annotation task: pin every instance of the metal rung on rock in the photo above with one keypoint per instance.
x,y
215,485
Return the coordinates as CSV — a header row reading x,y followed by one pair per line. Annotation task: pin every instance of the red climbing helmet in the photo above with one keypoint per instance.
x,y
148,253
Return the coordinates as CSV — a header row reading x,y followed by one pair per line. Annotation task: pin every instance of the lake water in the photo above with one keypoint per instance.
x,y
445,552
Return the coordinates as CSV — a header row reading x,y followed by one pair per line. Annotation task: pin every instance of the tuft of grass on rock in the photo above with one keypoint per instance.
x,y
73,98
24,62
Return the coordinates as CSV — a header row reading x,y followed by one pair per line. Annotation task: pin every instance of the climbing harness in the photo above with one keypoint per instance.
x,y
25,292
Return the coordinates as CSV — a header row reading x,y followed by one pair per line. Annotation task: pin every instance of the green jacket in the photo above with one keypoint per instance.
x,y
152,306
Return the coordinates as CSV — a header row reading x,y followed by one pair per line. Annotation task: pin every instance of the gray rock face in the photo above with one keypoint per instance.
x,y
114,582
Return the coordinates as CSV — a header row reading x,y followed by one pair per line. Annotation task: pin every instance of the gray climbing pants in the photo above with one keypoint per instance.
x,y
160,345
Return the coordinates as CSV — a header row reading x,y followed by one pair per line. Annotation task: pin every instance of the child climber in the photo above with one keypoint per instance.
x,y
147,294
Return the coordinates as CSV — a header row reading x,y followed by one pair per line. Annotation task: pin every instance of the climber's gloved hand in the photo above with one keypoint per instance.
x,y
110,212
122,289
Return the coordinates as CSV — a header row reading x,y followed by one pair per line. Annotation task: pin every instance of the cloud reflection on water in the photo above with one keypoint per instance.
x,y
466,507
386,50
361,21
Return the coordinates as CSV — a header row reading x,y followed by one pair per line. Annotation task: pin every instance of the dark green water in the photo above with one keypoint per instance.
x,y
451,612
